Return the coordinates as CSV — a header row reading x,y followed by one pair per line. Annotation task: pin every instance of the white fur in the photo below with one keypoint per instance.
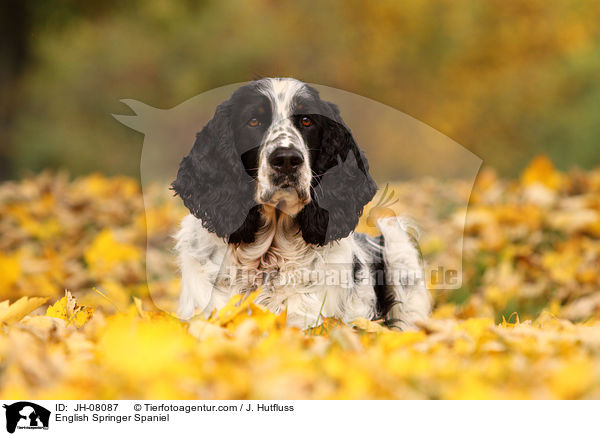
x,y
401,256
285,259
282,133
213,272
309,281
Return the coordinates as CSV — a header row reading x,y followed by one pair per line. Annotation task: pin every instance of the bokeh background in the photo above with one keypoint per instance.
x,y
88,283
507,80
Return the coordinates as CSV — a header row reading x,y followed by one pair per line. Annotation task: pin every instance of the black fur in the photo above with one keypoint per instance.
x,y
247,232
213,183
217,179
383,291
341,186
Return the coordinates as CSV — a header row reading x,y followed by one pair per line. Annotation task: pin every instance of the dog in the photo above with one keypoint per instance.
x,y
275,184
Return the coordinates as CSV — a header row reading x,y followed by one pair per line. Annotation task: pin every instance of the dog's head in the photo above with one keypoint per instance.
x,y
275,143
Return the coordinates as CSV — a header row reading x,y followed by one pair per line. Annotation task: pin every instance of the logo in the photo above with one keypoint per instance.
x,y
382,207
26,415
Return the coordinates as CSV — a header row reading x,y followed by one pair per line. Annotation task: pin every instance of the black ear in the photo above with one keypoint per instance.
x,y
212,181
341,185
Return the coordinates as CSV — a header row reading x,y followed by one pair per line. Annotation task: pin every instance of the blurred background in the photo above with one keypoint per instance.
x,y
507,80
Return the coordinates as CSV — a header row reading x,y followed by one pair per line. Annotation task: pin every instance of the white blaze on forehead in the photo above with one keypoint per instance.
x,y
282,133
281,93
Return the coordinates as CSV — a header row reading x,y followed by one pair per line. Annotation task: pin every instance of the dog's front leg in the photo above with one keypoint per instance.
x,y
411,300
200,256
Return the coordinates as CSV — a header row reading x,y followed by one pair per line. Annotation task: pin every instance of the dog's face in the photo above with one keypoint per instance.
x,y
271,132
275,143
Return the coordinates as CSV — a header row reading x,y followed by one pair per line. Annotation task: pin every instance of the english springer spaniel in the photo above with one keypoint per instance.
x,y
275,184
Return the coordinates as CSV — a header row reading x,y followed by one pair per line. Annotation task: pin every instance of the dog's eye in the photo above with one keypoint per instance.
x,y
305,121
254,122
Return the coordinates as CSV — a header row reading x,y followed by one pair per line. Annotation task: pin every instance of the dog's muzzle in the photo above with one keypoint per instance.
x,y
286,160
284,175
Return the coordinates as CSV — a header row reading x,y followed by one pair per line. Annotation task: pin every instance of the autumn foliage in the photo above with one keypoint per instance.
x,y
525,323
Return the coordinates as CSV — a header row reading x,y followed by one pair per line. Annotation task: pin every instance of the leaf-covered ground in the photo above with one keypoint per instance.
x,y
525,324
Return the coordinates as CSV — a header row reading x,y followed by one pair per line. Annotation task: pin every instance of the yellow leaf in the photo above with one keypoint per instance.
x,y
67,309
10,313
235,306
562,265
202,330
140,348
367,326
105,253
81,316
572,379
542,171
327,326
11,271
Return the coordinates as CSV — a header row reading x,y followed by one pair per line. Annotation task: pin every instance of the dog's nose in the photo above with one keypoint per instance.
x,y
286,160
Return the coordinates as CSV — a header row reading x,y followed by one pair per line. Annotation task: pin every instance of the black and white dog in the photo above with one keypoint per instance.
x,y
275,184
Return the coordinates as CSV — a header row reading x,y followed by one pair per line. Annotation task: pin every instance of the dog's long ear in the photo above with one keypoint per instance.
x,y
340,187
212,181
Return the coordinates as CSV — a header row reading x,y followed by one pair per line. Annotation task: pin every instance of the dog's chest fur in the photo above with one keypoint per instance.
x,y
307,281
